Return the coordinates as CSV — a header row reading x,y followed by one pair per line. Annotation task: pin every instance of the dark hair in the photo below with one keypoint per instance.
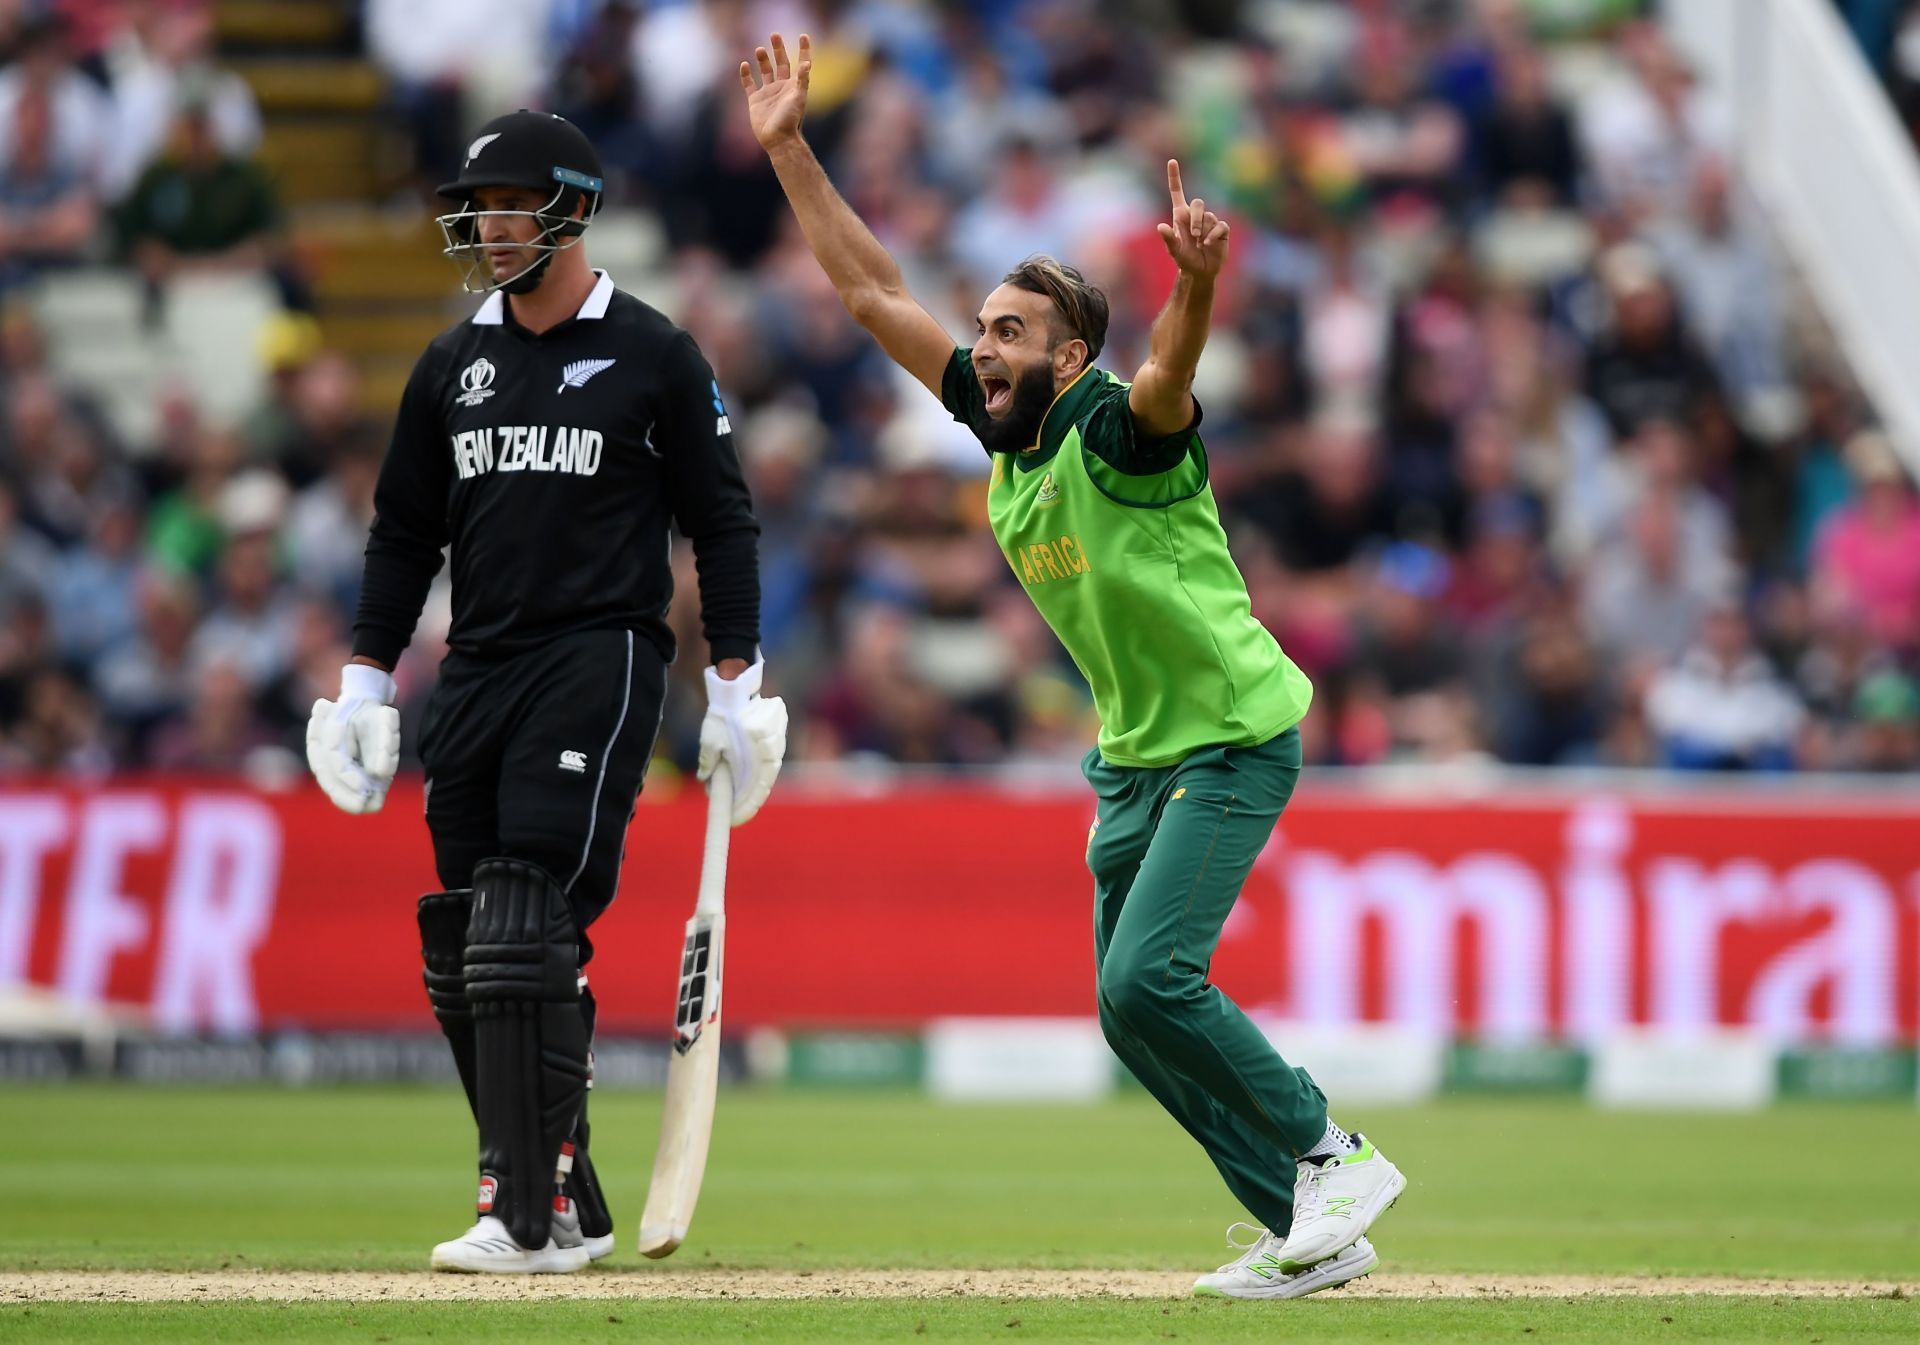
x,y
1082,306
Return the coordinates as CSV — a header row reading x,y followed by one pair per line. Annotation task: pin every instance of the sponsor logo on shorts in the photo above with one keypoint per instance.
x,y
574,761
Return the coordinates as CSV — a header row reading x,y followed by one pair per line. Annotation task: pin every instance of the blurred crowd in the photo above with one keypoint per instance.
x,y
1529,444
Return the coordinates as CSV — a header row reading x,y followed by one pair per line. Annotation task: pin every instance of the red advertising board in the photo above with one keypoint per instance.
x,y
1511,914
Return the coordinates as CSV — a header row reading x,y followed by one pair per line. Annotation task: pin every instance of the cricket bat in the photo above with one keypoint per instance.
x,y
693,1073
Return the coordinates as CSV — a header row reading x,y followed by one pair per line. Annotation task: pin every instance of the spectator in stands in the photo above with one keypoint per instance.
x,y
1647,590
26,560
1320,514
318,648
1647,130
163,54
982,111
58,730
1645,366
1886,733
250,627
323,415
1346,329
199,209
183,531
26,644
149,678
1663,458
23,346
61,491
1822,482
875,704
93,586
1752,484
1501,571
286,345
1727,286
1024,210
221,731
1405,641
34,415
1436,373
1406,147
1722,707
326,533
1563,448
1570,416
438,52
1528,155
78,117
1868,555
1544,693
1838,657
597,88
47,211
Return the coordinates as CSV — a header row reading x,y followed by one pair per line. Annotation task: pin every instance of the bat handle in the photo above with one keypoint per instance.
x,y
713,864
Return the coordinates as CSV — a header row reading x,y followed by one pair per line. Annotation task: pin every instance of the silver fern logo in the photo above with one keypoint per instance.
x,y
575,375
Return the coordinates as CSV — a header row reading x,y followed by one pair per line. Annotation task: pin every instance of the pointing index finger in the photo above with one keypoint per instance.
x,y
1174,188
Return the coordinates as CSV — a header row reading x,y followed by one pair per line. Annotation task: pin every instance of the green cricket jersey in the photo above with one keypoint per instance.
x,y
1117,540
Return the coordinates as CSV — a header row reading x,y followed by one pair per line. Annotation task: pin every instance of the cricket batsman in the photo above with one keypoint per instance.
x,y
550,442
1099,499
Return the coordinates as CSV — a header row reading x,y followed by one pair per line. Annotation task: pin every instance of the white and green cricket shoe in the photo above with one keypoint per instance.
x,y
1258,1274
1335,1202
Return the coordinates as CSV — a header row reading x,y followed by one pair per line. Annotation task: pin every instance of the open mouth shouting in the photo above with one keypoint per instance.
x,y
998,392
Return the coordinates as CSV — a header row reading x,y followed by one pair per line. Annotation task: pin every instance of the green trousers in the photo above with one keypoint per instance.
x,y
1170,849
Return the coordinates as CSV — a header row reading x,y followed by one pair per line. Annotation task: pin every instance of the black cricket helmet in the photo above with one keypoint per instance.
x,y
536,151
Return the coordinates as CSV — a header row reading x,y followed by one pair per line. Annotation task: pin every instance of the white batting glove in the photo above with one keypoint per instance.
x,y
353,744
748,732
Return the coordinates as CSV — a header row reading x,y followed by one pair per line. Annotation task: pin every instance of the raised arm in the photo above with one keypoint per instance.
x,y
867,278
1161,398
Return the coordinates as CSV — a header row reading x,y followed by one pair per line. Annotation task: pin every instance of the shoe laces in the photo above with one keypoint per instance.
x,y
1310,1192
1248,1250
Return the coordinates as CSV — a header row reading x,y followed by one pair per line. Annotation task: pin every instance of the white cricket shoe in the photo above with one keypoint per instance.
x,y
488,1249
1336,1201
1257,1274
565,1226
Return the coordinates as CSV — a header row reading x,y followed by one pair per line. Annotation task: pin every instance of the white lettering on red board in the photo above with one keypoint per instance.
x,y
216,909
1685,907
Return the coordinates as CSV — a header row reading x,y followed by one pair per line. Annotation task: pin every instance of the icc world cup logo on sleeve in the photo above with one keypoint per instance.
x,y
476,383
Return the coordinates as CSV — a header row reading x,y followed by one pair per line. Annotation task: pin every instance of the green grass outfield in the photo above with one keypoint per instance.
x,y
116,1178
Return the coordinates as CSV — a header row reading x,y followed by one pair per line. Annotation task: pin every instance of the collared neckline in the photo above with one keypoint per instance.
x,y
493,313
1067,402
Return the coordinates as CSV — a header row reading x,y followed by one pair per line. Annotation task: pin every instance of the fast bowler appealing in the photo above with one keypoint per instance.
x,y
1099,499
549,442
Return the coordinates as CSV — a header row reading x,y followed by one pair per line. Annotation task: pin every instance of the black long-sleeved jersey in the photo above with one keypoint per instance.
x,y
554,465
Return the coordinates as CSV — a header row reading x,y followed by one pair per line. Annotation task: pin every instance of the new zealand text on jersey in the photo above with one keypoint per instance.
x,y
526,448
